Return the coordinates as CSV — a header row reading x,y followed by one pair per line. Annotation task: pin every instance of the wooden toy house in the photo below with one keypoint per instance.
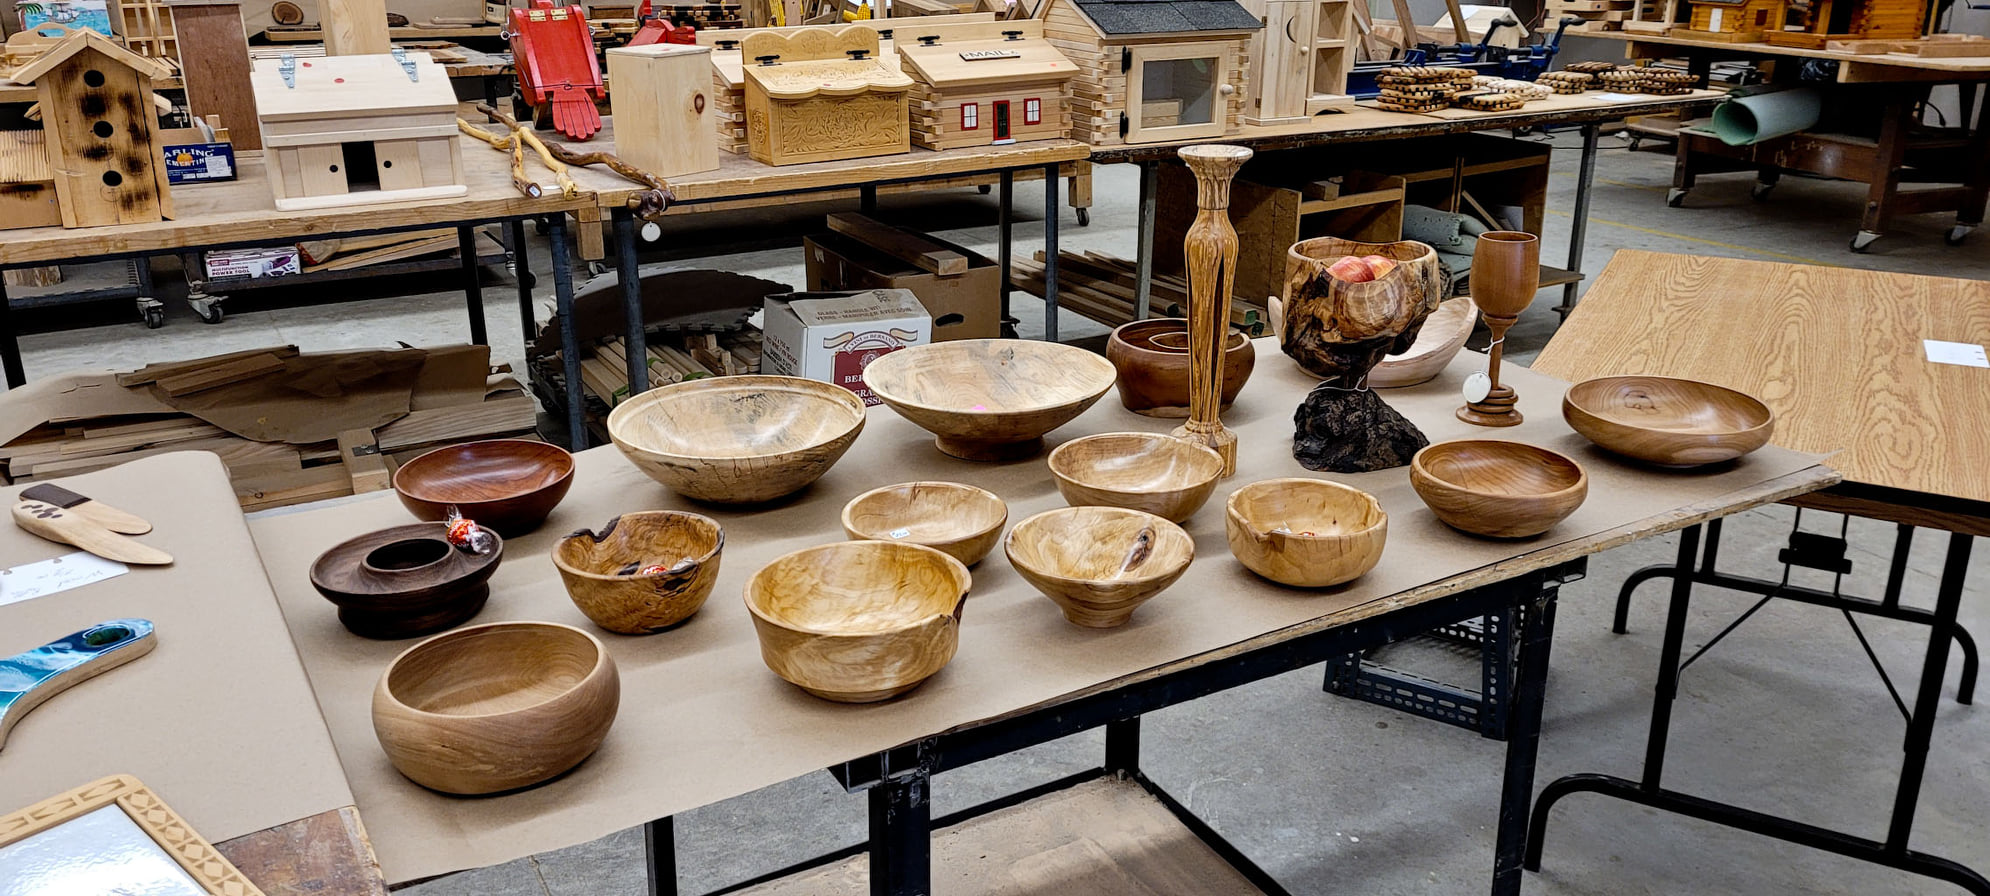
x,y
1153,70
1819,22
1730,20
101,131
997,84
817,96
352,130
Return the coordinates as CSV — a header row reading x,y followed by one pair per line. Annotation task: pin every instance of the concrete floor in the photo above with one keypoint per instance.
x,y
1329,795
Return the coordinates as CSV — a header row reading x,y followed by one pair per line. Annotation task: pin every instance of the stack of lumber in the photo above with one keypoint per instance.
x,y
730,113
357,252
1101,287
1596,15
672,359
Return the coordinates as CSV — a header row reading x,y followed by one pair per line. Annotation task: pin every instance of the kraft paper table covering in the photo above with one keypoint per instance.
x,y
218,719
702,719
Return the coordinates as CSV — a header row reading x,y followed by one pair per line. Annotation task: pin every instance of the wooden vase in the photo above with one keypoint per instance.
x,y
1506,273
1211,250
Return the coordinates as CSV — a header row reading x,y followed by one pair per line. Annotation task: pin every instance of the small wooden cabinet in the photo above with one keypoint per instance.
x,y
1300,60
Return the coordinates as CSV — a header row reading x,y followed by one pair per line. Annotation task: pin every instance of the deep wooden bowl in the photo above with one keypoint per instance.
x,y
963,521
1496,488
1151,357
990,399
1099,564
738,439
858,621
605,571
1307,533
1442,337
1160,474
496,707
1666,420
506,485
404,582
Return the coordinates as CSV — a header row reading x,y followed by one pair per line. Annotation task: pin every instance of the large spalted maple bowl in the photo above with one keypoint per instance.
x,y
1666,420
858,621
738,439
963,521
990,399
506,485
1307,533
643,572
405,581
1160,474
1341,329
1152,359
496,707
1099,564
1498,489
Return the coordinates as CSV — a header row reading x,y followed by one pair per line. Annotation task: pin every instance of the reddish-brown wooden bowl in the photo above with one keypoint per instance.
x,y
506,485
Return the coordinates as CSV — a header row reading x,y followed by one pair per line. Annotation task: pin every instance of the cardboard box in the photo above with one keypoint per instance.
x,y
229,263
192,163
963,306
833,336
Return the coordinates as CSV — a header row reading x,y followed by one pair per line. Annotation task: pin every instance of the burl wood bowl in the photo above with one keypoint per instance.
x,y
1152,359
1668,421
738,439
404,582
496,707
1307,533
990,399
1160,474
858,621
1496,488
506,485
643,572
1099,564
963,521
1442,337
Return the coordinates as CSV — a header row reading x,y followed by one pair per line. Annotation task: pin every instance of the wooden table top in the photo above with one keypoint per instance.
x,y
1854,67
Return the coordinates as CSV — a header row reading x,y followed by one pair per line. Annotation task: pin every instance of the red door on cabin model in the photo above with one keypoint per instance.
x,y
1002,120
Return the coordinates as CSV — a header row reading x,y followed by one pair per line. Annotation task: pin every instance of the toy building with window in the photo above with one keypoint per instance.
x,y
352,130
990,85
1153,70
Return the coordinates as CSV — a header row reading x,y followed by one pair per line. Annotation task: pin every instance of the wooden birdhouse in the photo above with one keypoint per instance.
x,y
100,129
352,130
1153,70
1733,21
994,84
1815,23
816,96
1300,59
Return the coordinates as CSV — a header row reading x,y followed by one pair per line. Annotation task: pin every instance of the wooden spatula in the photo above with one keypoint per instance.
x,y
28,679
68,527
95,511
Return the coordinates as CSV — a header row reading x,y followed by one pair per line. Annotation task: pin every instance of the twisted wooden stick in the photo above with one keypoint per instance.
x,y
517,149
646,204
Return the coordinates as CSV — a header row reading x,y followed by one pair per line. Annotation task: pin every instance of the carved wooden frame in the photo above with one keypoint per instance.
x,y
201,861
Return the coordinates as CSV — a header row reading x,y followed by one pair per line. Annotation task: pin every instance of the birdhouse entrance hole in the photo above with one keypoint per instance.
x,y
361,165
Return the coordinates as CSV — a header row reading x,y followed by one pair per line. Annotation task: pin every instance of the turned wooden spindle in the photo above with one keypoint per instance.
x,y
1211,249
1506,273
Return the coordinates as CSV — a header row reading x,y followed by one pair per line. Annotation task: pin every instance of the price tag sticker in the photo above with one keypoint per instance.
x,y
47,577
899,533
1477,387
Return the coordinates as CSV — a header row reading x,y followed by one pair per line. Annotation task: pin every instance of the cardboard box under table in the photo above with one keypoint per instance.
x,y
966,305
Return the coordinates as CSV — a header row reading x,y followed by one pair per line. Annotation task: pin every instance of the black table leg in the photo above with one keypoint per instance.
x,y
1934,670
1523,745
867,199
635,342
901,836
1123,746
563,296
1579,219
10,345
660,851
473,284
1050,208
521,271
1004,202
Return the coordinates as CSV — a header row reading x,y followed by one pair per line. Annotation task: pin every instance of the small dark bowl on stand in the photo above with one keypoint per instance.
x,y
404,582
506,485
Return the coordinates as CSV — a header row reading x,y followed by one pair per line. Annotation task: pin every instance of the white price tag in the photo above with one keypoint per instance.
x,y
1963,354
47,577
1477,387
217,166
899,533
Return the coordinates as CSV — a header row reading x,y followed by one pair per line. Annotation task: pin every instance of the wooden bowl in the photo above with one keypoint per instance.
x,y
1160,474
963,521
1307,533
1498,489
1099,563
738,439
858,621
1151,357
496,707
404,582
605,572
1443,335
1666,420
990,399
506,485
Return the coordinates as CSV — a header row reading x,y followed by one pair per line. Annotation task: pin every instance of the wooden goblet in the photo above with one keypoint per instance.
x,y
1506,273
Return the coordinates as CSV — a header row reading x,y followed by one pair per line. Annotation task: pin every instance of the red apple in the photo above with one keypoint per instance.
x,y
1351,269
1380,265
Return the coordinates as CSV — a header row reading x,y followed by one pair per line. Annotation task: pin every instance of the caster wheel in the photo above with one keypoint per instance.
x,y
209,310
154,318
1760,192
1863,240
1957,234
529,281
539,226
1084,217
1635,140
983,188
1675,198
596,269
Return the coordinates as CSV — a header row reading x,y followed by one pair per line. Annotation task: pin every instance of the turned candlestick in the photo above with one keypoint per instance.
x,y
1506,273
1211,250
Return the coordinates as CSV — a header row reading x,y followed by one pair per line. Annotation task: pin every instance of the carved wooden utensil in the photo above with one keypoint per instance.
x,y
1211,250
1506,273
28,679
70,527
95,511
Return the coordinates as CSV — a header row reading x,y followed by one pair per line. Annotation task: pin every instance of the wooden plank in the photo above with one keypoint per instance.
x,y
154,372
216,73
325,853
396,252
259,491
914,249
364,465
356,27
512,413
221,374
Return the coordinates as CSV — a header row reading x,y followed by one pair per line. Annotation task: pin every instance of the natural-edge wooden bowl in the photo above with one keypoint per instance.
x,y
1160,474
1496,488
404,582
1307,533
1666,420
858,621
1443,334
990,399
738,439
496,707
506,485
1152,359
603,571
963,521
1099,564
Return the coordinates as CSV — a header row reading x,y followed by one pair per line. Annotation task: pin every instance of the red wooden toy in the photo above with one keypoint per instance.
x,y
557,70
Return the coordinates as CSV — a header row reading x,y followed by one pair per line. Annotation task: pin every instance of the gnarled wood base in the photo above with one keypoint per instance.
x,y
966,449
1496,410
1352,431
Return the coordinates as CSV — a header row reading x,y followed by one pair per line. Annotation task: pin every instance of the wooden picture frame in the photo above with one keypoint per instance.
x,y
174,838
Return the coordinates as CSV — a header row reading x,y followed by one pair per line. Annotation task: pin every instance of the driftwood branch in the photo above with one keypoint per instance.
x,y
646,204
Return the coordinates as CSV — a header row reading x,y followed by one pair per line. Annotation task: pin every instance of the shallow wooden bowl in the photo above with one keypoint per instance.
x,y
990,399
605,571
506,485
1099,564
496,707
1442,337
1160,474
404,582
1666,420
1496,488
738,439
963,521
858,621
1151,357
1307,533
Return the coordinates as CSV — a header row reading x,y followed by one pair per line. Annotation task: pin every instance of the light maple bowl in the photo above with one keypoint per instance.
x,y
738,439
858,621
1156,473
1307,533
1442,337
643,572
990,399
1496,488
496,707
508,485
1666,420
1099,564
962,521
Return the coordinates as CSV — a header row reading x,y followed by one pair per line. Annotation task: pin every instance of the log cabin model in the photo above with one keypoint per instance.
x,y
1153,70
996,84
